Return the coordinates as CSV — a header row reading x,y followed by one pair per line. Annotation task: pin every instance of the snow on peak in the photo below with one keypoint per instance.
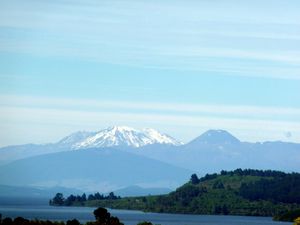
x,y
160,138
123,136
74,138
121,129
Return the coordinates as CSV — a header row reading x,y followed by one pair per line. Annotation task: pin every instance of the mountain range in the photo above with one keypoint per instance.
x,y
119,157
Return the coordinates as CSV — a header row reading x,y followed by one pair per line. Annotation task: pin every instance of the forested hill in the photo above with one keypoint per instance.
x,y
238,192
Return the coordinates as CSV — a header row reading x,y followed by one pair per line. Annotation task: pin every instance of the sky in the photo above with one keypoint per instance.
x,y
181,67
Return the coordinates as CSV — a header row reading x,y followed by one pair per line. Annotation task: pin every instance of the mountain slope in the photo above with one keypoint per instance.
x,y
214,137
74,138
11,153
218,150
91,170
31,192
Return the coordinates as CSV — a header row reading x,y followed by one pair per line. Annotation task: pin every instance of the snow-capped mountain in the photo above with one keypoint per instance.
x,y
74,138
118,136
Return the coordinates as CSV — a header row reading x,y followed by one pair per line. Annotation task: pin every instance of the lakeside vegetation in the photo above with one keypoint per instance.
x,y
289,216
102,217
239,192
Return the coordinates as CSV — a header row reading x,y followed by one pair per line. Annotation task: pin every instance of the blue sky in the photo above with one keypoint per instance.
x,y
181,67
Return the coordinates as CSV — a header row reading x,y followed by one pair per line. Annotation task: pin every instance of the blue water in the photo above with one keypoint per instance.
x,y
39,209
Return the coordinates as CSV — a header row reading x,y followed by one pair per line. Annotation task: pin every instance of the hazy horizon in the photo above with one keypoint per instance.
x,y
141,129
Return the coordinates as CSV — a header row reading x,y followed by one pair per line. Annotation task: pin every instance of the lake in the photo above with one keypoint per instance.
x,y
39,209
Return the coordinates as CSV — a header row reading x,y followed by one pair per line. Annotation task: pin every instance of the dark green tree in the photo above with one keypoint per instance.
x,y
195,179
21,221
58,199
83,197
73,222
91,197
7,221
98,196
102,215
218,185
144,223
112,196
114,221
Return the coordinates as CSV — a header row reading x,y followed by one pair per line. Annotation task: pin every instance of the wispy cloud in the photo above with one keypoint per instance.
x,y
57,121
159,107
78,117
240,40
58,117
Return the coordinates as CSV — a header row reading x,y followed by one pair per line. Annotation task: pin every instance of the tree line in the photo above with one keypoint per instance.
x,y
240,172
60,200
278,189
102,216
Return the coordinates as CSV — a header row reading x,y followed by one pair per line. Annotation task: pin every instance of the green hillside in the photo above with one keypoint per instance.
x,y
239,192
